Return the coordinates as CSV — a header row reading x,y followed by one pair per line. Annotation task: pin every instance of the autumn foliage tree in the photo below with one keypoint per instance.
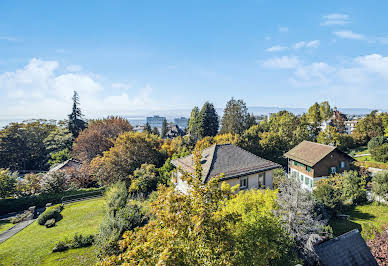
x,y
208,226
130,150
99,137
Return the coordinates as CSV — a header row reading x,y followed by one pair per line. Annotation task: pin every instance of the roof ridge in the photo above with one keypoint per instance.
x,y
255,155
211,163
319,144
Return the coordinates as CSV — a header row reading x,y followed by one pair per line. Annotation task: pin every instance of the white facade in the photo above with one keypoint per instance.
x,y
253,181
308,182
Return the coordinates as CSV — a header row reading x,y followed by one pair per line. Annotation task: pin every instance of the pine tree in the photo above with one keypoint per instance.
x,y
164,129
147,128
236,118
76,124
195,123
208,120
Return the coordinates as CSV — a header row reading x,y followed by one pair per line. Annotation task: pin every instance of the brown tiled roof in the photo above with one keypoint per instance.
x,y
310,153
228,159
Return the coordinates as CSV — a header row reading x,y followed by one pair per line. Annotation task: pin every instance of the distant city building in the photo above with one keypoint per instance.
x,y
138,128
182,122
174,131
155,121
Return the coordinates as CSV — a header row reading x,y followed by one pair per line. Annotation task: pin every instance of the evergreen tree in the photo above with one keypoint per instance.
x,y
147,128
76,124
155,131
208,120
195,123
236,118
164,129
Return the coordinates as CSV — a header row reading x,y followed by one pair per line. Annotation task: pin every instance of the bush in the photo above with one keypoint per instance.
x,y
61,246
20,217
80,241
22,203
380,185
375,142
51,213
50,223
380,153
54,182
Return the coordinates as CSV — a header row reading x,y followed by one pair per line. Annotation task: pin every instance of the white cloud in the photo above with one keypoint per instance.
x,y
74,68
122,86
276,48
335,19
282,29
284,62
37,90
311,44
374,63
347,34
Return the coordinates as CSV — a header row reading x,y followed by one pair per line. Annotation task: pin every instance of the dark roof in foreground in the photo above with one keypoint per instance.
x,y
310,153
228,159
347,249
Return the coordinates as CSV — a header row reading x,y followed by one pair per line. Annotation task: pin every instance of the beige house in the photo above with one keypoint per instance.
x,y
237,165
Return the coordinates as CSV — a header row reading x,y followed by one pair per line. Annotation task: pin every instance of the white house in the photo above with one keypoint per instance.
x,y
237,165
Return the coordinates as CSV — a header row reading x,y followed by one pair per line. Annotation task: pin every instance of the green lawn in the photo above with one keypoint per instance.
x,y
368,213
359,150
33,245
5,225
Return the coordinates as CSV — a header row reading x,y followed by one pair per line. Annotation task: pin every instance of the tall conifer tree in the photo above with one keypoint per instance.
x,y
76,122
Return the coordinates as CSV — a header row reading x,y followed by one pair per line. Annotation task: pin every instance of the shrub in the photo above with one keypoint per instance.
x,y
380,185
20,217
380,153
8,182
40,200
50,223
375,142
80,241
354,187
51,213
54,182
61,246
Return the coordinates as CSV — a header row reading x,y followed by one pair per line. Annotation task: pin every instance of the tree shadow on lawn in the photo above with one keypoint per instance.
x,y
343,225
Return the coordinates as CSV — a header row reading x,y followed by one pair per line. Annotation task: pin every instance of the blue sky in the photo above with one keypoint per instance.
x,y
125,57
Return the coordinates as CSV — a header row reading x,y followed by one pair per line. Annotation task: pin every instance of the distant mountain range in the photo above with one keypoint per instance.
x,y
139,118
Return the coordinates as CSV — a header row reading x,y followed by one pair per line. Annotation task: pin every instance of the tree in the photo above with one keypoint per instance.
x,y
54,182
164,129
99,137
236,118
29,185
325,111
376,142
120,215
209,120
155,131
76,123
368,127
22,145
380,185
130,150
204,227
354,187
195,126
380,153
8,182
147,128
59,139
331,136
296,208
329,194
59,157
144,181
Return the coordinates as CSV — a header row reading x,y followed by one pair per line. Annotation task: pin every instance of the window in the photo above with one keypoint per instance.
x,y
243,182
333,170
306,180
311,183
262,179
308,168
301,178
343,164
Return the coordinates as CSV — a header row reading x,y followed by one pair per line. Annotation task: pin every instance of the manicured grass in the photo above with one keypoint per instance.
x,y
34,244
5,225
359,150
359,215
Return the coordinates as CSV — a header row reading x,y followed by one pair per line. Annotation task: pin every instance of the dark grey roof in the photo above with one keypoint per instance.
x,y
347,249
228,159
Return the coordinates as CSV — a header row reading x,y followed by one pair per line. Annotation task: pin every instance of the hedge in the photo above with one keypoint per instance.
x,y
23,203
50,213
